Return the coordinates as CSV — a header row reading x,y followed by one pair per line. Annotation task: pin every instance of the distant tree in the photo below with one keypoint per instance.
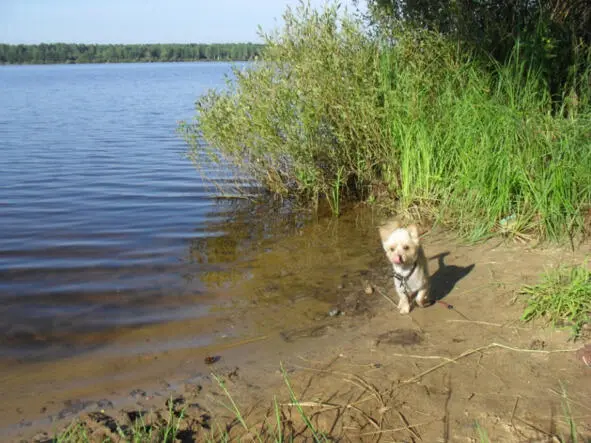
x,y
553,35
82,53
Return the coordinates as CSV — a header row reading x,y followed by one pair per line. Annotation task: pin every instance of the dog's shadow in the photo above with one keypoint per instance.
x,y
445,278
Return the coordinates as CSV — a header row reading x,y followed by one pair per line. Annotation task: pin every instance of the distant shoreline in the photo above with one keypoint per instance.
x,y
80,53
125,62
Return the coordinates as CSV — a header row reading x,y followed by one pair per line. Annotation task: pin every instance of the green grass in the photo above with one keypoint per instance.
x,y
563,296
332,112
480,146
482,434
573,435
279,428
166,429
276,432
74,433
160,430
317,436
164,432
572,426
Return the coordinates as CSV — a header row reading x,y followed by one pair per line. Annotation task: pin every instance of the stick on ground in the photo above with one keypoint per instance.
x,y
482,348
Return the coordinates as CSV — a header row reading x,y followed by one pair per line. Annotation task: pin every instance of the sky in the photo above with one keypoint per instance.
x,y
140,21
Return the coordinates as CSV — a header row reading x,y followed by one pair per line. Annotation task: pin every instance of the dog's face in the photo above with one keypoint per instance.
x,y
402,245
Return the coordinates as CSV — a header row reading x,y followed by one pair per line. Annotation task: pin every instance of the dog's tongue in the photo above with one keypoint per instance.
x,y
397,259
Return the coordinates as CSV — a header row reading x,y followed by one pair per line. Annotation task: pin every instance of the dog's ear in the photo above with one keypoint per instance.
x,y
413,230
387,228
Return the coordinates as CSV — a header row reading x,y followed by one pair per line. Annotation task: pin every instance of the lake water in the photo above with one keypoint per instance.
x,y
120,266
104,222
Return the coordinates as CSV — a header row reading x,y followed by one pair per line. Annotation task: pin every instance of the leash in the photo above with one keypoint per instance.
x,y
403,279
448,306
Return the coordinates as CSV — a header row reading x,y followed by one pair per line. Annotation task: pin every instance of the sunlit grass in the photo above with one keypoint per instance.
x,y
334,113
563,296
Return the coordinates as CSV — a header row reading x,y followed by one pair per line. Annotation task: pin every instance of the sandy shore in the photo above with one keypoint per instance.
x,y
361,370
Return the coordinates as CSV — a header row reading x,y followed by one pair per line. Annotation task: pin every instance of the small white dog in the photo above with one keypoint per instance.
x,y
411,276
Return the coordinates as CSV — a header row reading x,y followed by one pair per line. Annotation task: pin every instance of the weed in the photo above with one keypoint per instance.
x,y
277,433
482,434
572,426
233,408
140,431
334,112
564,295
74,433
318,437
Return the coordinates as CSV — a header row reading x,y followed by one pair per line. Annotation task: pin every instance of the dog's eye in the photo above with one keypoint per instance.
x,y
405,247
391,249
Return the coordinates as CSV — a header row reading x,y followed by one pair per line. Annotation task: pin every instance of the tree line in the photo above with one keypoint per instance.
x,y
552,37
473,112
52,53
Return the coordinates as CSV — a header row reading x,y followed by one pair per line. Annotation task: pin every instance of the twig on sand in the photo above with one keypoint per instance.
x,y
498,325
365,386
402,428
514,409
242,342
408,426
570,400
396,306
534,427
476,322
332,406
482,348
387,297
515,428
423,357
351,378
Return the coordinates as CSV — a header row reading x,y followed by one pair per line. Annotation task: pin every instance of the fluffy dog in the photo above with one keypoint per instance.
x,y
411,275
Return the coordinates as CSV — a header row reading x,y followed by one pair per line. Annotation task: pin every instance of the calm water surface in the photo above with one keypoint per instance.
x,y
103,221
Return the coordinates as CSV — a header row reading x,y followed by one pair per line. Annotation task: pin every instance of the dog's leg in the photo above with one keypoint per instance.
x,y
403,299
403,303
423,298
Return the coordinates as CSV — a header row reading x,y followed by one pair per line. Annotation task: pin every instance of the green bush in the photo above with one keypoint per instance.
x,y
334,111
564,295
484,146
308,119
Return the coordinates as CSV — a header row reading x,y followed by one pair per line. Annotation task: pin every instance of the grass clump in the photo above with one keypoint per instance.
x,y
176,425
306,120
333,111
282,430
482,434
563,296
155,429
165,430
74,433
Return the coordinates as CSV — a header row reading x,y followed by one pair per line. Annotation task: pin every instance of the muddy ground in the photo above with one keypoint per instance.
x,y
360,370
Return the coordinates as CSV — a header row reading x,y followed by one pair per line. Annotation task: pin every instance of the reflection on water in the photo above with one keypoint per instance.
x,y
98,203
245,230
115,252
217,262
107,232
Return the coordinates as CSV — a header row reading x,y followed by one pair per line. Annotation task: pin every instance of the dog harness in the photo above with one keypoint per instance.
x,y
403,279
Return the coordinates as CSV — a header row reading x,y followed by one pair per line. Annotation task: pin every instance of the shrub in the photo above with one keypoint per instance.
x,y
333,111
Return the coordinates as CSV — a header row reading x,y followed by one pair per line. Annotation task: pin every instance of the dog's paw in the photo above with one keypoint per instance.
x,y
404,309
423,299
423,302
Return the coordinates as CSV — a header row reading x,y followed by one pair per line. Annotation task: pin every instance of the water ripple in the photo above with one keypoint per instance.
x,y
100,211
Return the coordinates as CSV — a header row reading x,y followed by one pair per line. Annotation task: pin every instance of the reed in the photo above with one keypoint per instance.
x,y
409,119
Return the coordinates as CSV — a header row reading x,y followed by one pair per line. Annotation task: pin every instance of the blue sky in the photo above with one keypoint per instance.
x,y
139,21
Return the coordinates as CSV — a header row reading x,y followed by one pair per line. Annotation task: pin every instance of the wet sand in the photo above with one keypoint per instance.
x,y
304,304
